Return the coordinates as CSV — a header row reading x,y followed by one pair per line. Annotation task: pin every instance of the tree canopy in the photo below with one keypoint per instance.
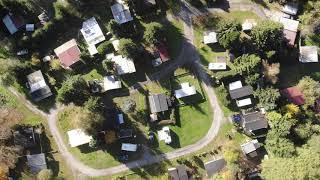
x,y
128,48
154,32
267,97
74,89
229,33
310,90
268,35
246,64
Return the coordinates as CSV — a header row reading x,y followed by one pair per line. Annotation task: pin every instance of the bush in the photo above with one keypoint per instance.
x,y
74,89
4,99
108,65
105,47
35,60
94,104
55,65
45,174
128,48
154,32
114,28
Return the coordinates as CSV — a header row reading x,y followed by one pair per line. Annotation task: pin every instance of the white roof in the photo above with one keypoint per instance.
x,y
186,90
36,81
110,82
115,44
308,54
110,56
121,13
210,38
92,49
250,146
289,24
91,32
129,147
123,65
290,8
218,66
235,85
29,27
120,119
9,24
77,137
244,102
164,135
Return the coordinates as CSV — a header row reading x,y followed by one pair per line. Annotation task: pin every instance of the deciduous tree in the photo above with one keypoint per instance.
x,y
268,35
74,89
310,90
154,32
128,48
267,97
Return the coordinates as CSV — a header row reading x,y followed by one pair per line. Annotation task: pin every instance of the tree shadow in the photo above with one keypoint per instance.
x,y
262,3
175,140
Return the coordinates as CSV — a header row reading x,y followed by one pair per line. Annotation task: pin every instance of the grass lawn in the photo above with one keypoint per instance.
x,y
95,159
29,116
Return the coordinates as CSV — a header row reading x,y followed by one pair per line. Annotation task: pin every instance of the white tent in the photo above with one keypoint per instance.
x,y
186,90
244,102
110,82
235,85
218,66
129,147
210,38
164,135
77,137
123,65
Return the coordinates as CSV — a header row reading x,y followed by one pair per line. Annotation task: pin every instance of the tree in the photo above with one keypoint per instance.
x,y
105,47
8,70
280,125
114,28
267,97
229,33
8,156
55,65
230,153
271,71
94,104
279,146
246,64
304,166
291,110
268,35
74,89
310,90
45,174
252,79
304,131
154,32
8,118
128,48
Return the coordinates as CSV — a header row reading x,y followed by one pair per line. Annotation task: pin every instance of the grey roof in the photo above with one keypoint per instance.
x,y
250,146
241,92
36,163
24,138
253,121
214,166
178,173
38,87
158,103
120,13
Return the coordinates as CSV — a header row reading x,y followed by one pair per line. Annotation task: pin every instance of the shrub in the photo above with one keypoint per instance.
x,y
108,65
105,47
55,65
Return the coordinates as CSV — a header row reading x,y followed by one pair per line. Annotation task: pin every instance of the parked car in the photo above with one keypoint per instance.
x,y
22,52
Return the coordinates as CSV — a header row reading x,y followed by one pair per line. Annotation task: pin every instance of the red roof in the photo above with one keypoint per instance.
x,y
163,51
290,36
294,95
68,53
